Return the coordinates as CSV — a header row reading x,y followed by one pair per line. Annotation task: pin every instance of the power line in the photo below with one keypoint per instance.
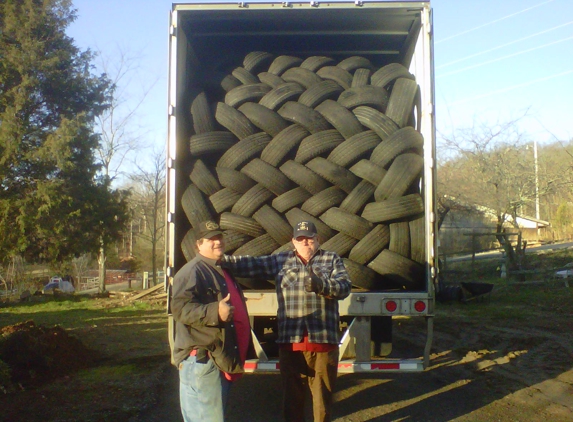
x,y
503,45
504,57
492,22
511,88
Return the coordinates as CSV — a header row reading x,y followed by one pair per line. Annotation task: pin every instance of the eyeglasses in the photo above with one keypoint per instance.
x,y
301,239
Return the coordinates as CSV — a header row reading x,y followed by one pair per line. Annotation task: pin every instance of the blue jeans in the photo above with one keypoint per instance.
x,y
203,391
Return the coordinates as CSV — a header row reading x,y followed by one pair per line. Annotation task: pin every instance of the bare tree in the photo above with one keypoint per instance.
x,y
490,170
120,134
148,199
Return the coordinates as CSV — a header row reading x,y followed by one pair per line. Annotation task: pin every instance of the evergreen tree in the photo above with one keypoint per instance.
x,y
53,205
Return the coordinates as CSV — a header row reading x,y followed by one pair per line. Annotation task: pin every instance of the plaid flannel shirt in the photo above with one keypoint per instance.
x,y
299,310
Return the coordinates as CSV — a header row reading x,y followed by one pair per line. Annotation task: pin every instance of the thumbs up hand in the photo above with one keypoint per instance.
x,y
313,283
226,309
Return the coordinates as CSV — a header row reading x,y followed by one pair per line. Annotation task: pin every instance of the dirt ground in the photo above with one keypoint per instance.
x,y
504,370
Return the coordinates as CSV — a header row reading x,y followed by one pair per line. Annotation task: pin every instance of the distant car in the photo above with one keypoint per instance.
x,y
565,273
57,283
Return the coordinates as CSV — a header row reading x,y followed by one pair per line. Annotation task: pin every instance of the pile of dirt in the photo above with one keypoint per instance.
x,y
33,354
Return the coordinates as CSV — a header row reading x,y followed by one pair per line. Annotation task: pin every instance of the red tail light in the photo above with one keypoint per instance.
x,y
391,306
420,306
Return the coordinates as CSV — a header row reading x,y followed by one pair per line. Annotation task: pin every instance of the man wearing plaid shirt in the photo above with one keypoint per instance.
x,y
309,283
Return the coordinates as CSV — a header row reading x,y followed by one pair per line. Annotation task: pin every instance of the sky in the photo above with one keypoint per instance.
x,y
495,60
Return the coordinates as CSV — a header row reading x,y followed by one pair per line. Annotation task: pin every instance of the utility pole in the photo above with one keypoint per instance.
x,y
536,184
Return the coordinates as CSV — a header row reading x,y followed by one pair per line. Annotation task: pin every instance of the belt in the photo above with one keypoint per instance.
x,y
202,356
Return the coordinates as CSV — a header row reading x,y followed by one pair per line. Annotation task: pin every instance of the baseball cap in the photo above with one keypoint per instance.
x,y
304,228
207,229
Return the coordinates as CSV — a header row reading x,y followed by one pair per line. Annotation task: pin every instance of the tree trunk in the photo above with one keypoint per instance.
x,y
102,269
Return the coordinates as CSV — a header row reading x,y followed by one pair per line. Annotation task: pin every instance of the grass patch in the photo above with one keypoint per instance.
x,y
105,325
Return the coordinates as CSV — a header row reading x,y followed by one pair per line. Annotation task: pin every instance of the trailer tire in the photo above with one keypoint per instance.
x,y
246,225
334,173
304,177
340,243
234,179
278,228
337,74
252,200
202,177
370,245
322,201
320,92
268,176
283,143
288,91
291,199
358,198
351,150
244,150
318,144
345,222
262,245
369,96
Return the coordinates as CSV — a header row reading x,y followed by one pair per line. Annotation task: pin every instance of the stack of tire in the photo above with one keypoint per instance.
x,y
333,143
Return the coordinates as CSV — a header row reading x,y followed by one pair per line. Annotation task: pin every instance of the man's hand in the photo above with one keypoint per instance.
x,y
225,309
313,283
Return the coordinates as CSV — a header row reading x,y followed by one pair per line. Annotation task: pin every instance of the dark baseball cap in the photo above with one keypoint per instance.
x,y
207,230
304,228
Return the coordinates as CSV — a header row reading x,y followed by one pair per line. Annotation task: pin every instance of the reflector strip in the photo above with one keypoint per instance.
x,y
345,366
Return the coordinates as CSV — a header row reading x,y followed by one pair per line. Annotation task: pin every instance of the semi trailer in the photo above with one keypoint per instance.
x,y
320,111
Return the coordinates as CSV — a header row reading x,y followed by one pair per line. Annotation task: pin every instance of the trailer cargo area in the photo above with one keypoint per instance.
x,y
320,111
